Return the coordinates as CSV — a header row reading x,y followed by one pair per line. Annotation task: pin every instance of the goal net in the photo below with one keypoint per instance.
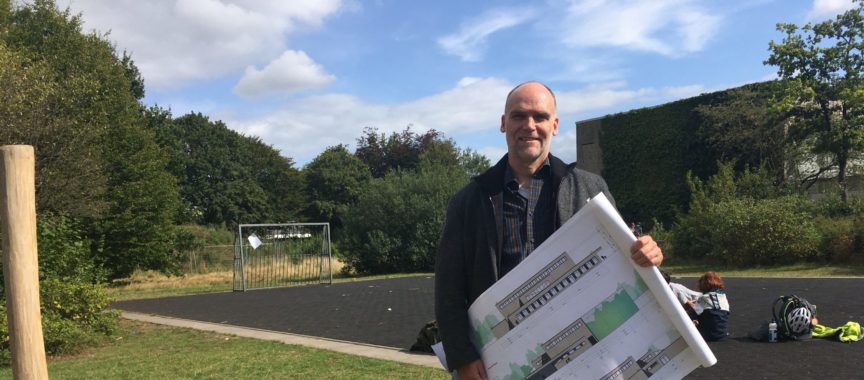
x,y
274,255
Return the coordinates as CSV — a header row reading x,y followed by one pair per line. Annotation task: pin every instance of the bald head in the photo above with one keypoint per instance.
x,y
532,83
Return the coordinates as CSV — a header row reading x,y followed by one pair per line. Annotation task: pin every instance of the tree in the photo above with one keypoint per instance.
x,y
5,13
160,123
822,65
63,91
36,109
97,161
334,180
136,81
277,177
138,230
214,183
474,163
229,178
402,150
396,222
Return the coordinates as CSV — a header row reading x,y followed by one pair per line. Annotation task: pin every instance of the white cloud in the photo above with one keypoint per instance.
x,y
605,96
494,153
470,42
682,92
293,71
177,42
590,67
667,27
467,81
564,145
829,8
466,108
596,97
304,128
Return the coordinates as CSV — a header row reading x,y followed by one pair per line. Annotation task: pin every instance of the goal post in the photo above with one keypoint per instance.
x,y
282,254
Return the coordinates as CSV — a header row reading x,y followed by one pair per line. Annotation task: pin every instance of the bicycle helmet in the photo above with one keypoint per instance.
x,y
798,320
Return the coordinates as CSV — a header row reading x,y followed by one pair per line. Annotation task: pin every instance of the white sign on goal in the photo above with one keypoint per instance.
x,y
274,255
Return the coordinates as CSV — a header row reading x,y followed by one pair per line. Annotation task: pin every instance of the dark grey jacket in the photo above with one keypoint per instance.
x,y
469,252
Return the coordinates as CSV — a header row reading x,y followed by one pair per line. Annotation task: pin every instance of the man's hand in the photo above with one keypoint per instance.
x,y
645,252
471,371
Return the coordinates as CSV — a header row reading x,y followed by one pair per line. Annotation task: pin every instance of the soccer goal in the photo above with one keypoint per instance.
x,y
274,255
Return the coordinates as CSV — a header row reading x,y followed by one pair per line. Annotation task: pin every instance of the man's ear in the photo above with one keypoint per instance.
x,y
502,124
555,127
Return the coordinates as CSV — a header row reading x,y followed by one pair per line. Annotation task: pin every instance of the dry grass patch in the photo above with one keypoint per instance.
x,y
150,284
148,280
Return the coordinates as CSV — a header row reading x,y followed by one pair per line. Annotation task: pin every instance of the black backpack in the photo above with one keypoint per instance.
x,y
794,317
427,337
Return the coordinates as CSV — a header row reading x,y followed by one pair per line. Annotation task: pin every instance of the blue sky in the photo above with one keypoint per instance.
x,y
307,74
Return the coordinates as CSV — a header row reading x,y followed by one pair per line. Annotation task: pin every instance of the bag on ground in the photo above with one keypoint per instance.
x,y
794,317
427,336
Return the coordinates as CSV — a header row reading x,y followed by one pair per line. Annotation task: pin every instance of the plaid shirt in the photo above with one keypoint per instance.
x,y
527,215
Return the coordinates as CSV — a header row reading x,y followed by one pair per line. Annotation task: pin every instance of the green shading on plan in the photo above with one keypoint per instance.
x,y
483,330
610,314
636,289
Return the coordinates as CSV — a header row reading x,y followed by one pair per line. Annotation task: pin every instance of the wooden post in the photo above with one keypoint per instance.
x,y
20,265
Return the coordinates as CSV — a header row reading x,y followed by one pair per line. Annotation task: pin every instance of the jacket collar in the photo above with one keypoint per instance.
x,y
492,180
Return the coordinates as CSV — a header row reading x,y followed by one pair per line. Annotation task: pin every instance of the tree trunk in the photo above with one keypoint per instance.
x,y
842,159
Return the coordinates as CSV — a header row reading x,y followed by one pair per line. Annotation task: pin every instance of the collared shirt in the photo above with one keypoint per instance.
x,y
528,215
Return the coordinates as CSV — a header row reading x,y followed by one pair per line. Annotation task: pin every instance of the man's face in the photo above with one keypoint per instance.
x,y
529,122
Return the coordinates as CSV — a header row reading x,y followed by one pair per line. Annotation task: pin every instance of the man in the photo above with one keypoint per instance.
x,y
504,213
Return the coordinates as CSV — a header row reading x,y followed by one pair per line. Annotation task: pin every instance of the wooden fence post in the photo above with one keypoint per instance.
x,y
20,265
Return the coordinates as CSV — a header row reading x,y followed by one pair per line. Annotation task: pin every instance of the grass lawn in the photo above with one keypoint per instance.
x,y
796,270
147,351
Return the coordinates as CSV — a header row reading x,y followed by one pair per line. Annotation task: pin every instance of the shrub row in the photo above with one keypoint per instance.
x,y
746,231
73,303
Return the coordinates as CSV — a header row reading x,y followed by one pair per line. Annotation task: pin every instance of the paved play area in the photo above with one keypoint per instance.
x,y
391,312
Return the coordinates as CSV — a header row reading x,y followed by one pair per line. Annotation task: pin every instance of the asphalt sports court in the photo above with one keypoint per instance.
x,y
391,312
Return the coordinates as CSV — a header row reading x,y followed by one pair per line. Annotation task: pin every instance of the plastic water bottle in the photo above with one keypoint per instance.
x,y
772,332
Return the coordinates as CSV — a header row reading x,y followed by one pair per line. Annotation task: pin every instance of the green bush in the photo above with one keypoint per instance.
x,y
832,206
662,236
396,223
857,256
73,316
738,219
201,249
5,348
64,252
73,306
193,236
841,226
745,231
838,243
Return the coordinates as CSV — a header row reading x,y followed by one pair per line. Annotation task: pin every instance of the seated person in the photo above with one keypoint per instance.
x,y
712,308
685,295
